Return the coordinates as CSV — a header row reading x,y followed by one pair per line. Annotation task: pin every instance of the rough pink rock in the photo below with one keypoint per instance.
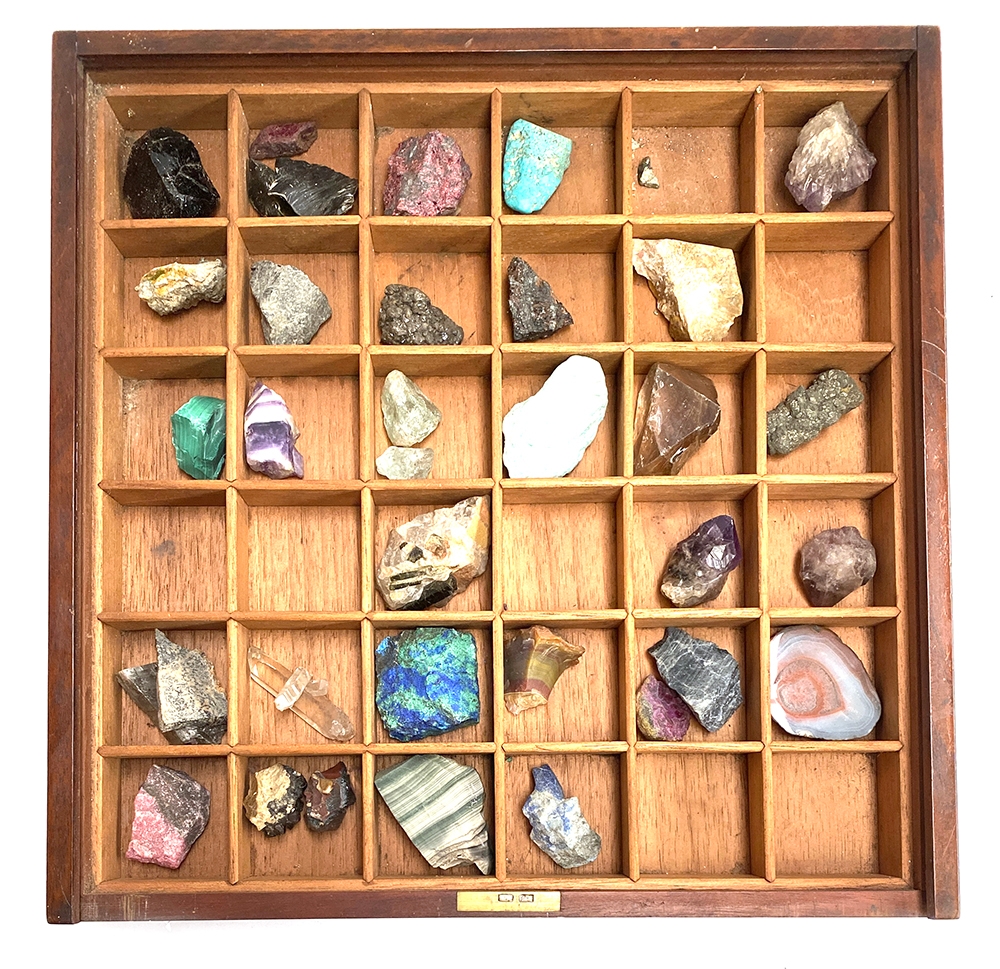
x,y
660,712
283,140
171,811
427,176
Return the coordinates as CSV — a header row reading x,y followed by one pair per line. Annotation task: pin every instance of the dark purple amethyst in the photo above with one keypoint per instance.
x,y
698,567
660,712
283,140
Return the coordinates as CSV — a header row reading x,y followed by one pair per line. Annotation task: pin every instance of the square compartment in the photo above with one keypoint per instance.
x,y
465,116
590,120
397,856
524,374
478,596
460,387
700,148
595,780
333,654
693,814
208,859
162,558
304,558
299,852
568,553
736,640
481,732
583,705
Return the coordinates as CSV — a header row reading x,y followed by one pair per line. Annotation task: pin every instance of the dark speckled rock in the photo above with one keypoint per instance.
x,y
188,693
807,411
407,316
534,312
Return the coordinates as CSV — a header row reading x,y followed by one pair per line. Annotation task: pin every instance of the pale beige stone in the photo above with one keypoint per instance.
x,y
179,286
697,287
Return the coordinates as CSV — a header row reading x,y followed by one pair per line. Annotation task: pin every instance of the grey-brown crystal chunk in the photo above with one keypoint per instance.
x,y
806,411
834,563
676,412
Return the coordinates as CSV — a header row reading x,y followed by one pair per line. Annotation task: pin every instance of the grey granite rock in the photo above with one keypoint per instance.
x,y
407,316
292,306
806,411
188,693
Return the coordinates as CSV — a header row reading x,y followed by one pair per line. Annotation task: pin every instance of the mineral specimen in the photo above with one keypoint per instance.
x,y
534,162
270,435
533,659
309,189
260,181
646,176
407,412
404,463
660,712
292,306
834,563
179,286
435,556
830,161
427,176
427,682
164,178
139,682
439,804
188,694
198,429
677,411
328,796
808,410
407,316
697,288
706,676
302,693
546,435
534,312
171,812
558,826
698,567
287,138
819,687
274,799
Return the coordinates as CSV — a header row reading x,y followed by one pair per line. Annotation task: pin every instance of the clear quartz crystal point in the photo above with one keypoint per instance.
x,y
301,693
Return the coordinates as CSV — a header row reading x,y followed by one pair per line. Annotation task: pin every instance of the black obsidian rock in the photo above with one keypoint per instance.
x,y
164,178
295,187
407,316
260,181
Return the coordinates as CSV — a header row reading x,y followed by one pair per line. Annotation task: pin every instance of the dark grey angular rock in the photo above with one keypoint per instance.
x,y
834,563
808,410
705,675
310,189
139,683
187,691
534,312
645,174
407,316
292,306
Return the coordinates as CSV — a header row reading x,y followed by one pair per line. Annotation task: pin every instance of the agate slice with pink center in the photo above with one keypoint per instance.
x,y
819,687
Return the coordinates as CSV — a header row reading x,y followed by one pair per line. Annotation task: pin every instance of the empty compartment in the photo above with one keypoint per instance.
x,y
589,119
584,703
458,384
396,855
595,780
700,148
208,859
693,814
329,653
411,113
299,852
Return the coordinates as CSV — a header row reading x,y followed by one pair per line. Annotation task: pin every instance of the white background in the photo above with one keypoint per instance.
x,y
970,53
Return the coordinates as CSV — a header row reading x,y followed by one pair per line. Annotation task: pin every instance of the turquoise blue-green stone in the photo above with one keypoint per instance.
x,y
199,433
427,682
534,162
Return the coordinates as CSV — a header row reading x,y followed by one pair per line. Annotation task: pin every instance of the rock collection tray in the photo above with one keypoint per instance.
x,y
748,820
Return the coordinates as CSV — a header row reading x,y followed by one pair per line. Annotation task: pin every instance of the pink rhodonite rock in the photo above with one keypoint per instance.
x,y
660,713
427,176
171,811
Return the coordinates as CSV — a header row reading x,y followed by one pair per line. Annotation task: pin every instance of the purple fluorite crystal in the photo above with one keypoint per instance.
x,y
697,568
271,434
660,712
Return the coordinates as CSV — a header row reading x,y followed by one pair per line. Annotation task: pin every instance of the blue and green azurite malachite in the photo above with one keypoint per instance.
x,y
427,682
534,162
199,434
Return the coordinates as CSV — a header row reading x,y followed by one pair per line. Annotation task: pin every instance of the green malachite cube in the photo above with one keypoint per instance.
x,y
199,434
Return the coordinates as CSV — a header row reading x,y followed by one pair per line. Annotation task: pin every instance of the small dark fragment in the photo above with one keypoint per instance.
x,y
407,316
274,801
260,180
535,313
281,140
808,410
165,179
835,563
328,796
645,175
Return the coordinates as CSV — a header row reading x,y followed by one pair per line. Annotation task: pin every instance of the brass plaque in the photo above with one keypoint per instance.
x,y
508,901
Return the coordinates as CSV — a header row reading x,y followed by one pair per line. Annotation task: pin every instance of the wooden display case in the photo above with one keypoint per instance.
x,y
745,821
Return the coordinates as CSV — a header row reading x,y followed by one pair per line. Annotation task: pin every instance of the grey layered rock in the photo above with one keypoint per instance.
x,y
292,306
534,312
705,675
188,693
408,413
407,316
806,411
